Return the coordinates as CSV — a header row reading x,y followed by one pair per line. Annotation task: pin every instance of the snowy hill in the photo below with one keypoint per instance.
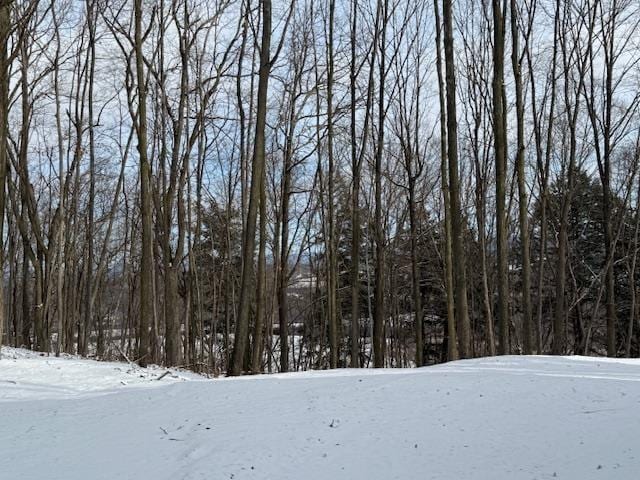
x,y
498,418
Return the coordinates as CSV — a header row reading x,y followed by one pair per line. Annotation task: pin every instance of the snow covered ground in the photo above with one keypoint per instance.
x,y
498,418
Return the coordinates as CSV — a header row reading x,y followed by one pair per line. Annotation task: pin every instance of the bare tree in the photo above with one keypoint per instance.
x,y
457,222
258,162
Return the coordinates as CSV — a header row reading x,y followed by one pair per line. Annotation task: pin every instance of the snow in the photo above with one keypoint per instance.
x,y
491,418
30,375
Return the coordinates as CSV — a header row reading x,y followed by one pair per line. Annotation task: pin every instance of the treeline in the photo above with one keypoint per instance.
x,y
241,186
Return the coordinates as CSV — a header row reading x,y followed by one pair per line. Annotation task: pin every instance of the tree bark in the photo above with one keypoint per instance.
x,y
5,31
146,262
457,220
258,162
500,144
523,214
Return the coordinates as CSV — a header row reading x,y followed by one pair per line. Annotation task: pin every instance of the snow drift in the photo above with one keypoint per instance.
x,y
499,418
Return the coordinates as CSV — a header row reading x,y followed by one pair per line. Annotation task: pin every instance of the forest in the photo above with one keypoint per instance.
x,y
248,186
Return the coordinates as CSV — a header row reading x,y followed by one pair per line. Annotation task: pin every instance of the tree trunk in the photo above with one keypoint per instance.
x,y
5,32
500,139
415,275
332,287
355,202
146,262
258,162
457,221
450,333
523,214
379,303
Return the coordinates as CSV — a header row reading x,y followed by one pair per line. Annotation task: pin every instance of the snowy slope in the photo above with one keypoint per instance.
x,y
25,374
499,418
